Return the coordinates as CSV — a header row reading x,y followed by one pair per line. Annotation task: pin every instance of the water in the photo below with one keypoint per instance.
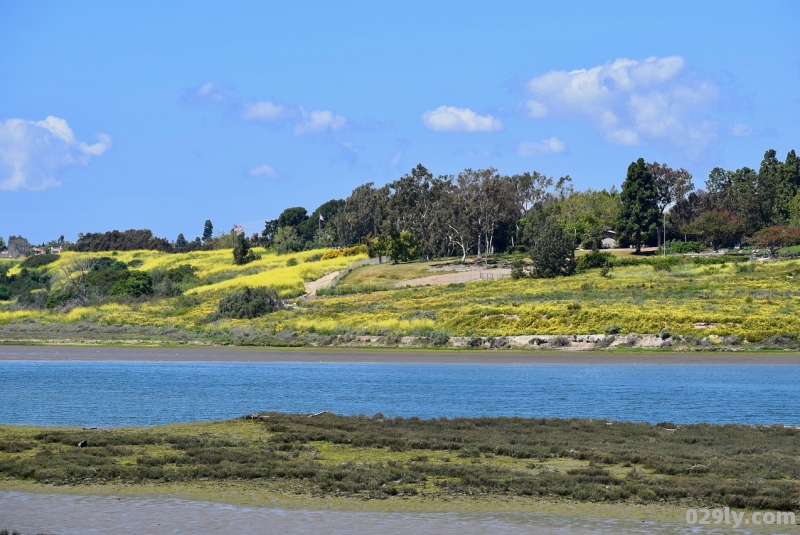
x,y
113,393
131,515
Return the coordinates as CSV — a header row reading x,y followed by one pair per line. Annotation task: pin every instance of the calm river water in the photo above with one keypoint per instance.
x,y
114,393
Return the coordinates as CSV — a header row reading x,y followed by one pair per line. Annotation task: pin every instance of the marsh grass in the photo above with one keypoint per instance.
x,y
376,457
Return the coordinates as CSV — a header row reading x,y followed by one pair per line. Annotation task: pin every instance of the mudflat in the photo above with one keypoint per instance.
x,y
244,354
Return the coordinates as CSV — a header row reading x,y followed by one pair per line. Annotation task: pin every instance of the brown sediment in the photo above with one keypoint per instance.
x,y
439,356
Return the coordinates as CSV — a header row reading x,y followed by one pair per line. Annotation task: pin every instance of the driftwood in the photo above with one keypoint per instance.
x,y
319,413
255,416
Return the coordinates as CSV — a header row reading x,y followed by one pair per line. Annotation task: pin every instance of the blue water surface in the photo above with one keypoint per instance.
x,y
113,393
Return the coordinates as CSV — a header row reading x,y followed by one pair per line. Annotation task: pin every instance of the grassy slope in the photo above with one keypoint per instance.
x,y
751,304
330,455
726,300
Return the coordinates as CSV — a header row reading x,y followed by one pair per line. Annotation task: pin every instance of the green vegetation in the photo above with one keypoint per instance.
x,y
36,261
638,216
248,303
375,457
707,303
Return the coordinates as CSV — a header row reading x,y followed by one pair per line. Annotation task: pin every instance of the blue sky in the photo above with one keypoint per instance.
x,y
160,115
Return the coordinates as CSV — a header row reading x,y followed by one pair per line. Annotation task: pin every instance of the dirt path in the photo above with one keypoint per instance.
x,y
313,286
459,276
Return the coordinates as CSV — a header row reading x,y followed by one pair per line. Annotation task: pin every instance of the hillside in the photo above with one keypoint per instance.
x,y
687,303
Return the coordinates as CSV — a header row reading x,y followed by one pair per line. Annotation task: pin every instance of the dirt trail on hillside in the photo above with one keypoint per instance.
x,y
313,286
460,276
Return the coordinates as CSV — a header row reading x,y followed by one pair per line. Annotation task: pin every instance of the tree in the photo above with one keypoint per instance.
x,y
671,186
74,278
17,245
362,215
287,241
241,250
2,244
208,232
268,234
715,228
292,217
402,246
639,210
774,238
550,247
180,242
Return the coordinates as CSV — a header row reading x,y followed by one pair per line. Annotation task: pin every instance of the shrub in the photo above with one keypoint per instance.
x,y
136,284
551,249
612,329
292,262
39,260
347,251
606,341
182,273
5,293
439,338
559,341
593,260
517,268
680,247
248,303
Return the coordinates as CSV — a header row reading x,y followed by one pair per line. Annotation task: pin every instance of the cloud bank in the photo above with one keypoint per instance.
x,y
33,153
452,119
632,102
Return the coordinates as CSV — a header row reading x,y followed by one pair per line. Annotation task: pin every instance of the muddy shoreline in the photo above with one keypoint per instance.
x,y
439,356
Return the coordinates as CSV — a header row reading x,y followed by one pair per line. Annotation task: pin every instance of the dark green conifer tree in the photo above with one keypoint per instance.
x,y
639,211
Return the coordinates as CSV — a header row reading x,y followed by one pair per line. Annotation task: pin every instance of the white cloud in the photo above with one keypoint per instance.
x,y
452,119
263,111
205,93
210,90
742,130
319,121
526,149
32,153
264,170
536,109
632,101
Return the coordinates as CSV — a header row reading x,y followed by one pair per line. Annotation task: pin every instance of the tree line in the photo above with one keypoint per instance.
x,y
480,212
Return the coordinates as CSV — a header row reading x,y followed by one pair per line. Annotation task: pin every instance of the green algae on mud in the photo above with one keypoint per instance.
x,y
372,460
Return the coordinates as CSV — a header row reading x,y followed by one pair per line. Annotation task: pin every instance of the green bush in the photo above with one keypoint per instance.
x,y
593,260
292,262
439,338
136,284
517,268
5,293
679,247
248,303
39,260
182,273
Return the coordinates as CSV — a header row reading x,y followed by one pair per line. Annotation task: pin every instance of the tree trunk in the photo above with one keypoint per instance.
x,y
638,241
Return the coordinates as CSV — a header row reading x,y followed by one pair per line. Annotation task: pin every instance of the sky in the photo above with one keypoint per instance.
x,y
160,115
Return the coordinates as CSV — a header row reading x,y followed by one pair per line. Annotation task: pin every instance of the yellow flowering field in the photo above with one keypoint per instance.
x,y
752,301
